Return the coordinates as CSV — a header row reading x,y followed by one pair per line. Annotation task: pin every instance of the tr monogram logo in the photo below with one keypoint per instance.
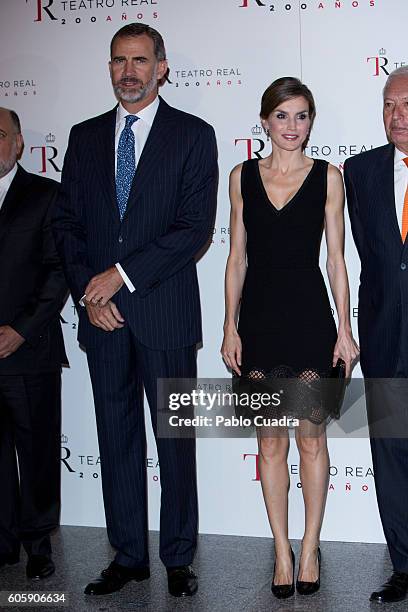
x,y
47,157
380,61
43,8
254,146
245,3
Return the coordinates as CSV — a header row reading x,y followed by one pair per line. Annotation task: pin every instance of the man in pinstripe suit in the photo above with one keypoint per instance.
x,y
377,196
136,205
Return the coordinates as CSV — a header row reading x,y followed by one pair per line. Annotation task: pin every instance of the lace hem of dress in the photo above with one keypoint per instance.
x,y
309,393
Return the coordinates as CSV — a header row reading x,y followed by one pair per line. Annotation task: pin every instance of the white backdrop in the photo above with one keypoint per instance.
x,y
54,73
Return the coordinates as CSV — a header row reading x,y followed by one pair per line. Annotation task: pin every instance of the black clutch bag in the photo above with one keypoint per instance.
x,y
336,388
339,370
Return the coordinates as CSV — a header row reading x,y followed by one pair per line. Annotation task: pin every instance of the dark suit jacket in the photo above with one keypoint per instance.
x,y
383,292
32,284
169,218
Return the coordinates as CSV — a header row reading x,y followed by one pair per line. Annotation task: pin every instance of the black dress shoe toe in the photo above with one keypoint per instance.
x,y
9,559
39,566
308,588
114,577
395,589
182,581
283,591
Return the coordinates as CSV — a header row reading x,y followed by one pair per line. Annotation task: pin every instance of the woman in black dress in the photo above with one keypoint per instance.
x,y
280,206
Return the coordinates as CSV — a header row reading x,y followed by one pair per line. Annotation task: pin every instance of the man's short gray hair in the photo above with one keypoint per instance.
x,y
398,72
14,119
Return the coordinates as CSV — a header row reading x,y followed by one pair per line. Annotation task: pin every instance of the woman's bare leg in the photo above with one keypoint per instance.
x,y
314,475
273,469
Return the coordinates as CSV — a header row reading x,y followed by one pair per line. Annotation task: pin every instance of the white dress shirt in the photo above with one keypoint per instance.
x,y
400,183
141,129
5,182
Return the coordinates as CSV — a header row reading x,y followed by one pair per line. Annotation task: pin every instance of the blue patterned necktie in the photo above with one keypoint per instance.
x,y
126,164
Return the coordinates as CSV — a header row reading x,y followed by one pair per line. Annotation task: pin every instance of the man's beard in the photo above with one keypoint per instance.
x,y
130,95
7,164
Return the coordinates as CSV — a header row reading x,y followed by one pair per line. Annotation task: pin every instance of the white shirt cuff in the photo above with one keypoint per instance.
x,y
81,301
125,277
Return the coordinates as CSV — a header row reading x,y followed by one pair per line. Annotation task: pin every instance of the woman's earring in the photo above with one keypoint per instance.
x,y
267,133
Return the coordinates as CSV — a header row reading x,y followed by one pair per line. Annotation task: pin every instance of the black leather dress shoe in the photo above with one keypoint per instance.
x,y
39,566
114,577
283,591
395,589
308,588
182,581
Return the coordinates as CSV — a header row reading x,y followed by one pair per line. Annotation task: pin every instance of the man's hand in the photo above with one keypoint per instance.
x,y
10,341
102,287
106,317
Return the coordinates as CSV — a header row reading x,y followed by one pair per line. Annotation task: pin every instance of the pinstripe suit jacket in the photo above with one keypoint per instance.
x,y
168,220
32,284
383,292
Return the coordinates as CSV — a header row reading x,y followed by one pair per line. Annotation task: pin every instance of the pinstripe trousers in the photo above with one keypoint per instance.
x,y
388,420
120,368
30,465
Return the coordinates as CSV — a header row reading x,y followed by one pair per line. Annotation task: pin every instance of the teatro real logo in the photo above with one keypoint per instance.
x,y
42,9
343,478
209,76
252,146
381,64
91,11
14,87
221,235
46,155
289,6
86,466
66,454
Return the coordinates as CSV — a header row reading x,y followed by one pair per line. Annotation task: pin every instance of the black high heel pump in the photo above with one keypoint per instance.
x,y
282,591
308,588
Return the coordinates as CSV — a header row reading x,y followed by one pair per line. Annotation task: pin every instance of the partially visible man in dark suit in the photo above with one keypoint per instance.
x,y
377,195
32,290
137,204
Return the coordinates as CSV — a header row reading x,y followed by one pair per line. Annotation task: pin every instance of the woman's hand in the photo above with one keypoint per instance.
x,y
346,349
231,350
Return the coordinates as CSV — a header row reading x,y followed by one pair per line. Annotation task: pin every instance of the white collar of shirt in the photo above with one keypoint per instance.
x,y
5,182
147,114
399,156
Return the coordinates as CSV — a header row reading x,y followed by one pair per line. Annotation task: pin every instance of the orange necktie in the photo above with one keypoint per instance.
x,y
404,225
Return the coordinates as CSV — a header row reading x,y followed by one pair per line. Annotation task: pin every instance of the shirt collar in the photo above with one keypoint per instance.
x,y
399,156
5,181
147,114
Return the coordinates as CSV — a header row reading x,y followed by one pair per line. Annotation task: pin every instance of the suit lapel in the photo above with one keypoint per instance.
x,y
155,149
105,151
15,194
385,192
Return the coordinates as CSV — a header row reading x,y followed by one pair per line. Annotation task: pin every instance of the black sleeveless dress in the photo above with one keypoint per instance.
x,y
286,323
